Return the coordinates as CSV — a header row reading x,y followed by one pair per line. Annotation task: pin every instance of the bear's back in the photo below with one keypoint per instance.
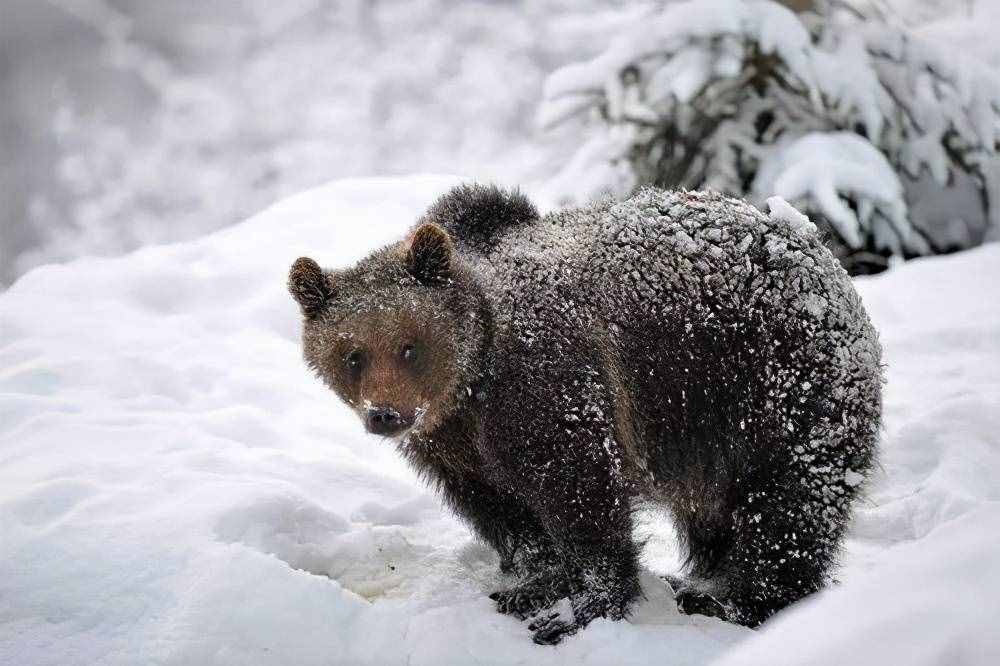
x,y
660,256
654,249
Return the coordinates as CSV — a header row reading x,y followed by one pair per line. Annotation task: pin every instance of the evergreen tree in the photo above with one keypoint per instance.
x,y
887,141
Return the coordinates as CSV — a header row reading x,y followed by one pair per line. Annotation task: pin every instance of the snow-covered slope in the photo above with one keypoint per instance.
x,y
175,488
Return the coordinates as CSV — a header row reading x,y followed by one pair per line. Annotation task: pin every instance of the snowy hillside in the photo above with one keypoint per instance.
x,y
175,488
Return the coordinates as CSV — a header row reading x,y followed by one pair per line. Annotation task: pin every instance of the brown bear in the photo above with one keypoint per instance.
x,y
548,374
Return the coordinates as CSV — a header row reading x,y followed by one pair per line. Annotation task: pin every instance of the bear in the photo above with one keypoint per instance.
x,y
551,375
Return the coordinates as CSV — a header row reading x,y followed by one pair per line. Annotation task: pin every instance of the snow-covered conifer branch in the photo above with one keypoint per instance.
x,y
889,141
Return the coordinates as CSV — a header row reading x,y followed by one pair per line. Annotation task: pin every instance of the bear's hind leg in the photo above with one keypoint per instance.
x,y
708,540
785,543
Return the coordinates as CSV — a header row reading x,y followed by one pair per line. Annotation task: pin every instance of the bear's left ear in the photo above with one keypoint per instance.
x,y
429,256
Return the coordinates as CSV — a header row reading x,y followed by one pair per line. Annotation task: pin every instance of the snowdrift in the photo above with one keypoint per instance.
x,y
175,488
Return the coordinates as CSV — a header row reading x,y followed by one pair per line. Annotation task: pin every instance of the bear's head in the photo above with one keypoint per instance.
x,y
397,336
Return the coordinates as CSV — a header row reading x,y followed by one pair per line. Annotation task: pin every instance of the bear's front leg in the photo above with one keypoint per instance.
x,y
562,459
497,517
500,519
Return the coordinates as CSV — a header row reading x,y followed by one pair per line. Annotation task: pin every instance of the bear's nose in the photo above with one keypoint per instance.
x,y
385,421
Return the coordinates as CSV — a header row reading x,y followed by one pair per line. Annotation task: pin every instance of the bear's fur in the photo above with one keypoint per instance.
x,y
548,374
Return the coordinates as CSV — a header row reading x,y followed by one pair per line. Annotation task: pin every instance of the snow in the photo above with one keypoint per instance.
x,y
176,488
966,30
773,26
823,167
783,212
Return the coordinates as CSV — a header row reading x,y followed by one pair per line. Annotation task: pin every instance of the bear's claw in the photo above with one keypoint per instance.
x,y
549,630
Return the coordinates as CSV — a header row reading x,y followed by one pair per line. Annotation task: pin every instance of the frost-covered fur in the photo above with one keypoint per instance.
x,y
678,348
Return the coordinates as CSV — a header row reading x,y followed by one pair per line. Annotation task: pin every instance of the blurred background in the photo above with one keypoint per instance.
x,y
130,122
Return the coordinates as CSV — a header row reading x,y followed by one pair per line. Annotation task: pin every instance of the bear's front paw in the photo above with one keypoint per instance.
x,y
526,599
550,629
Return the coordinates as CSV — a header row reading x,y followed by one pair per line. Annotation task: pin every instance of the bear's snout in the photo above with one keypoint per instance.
x,y
386,421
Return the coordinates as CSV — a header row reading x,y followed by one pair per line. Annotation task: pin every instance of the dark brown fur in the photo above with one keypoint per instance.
x,y
678,348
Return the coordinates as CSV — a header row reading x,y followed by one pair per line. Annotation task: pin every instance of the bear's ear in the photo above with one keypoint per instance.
x,y
429,257
309,286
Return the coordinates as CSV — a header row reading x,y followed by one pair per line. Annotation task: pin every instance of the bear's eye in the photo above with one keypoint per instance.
x,y
408,353
355,361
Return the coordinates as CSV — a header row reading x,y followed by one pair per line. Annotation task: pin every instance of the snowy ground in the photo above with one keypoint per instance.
x,y
175,488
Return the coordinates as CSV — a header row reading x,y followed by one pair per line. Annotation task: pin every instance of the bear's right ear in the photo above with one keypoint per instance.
x,y
429,256
309,286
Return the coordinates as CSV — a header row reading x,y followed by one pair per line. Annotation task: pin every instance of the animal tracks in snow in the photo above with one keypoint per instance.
x,y
385,551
